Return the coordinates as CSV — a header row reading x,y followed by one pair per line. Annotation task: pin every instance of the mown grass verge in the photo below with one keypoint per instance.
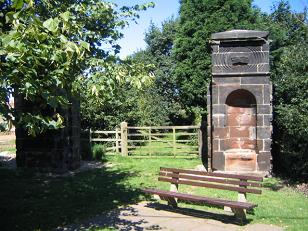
x,y
31,201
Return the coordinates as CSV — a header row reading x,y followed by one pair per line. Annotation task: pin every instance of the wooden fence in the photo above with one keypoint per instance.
x,y
176,141
112,139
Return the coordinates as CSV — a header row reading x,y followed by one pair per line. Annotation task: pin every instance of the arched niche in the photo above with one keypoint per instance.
x,y
241,120
241,143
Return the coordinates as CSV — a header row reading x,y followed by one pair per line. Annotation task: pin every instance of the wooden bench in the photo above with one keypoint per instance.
x,y
232,182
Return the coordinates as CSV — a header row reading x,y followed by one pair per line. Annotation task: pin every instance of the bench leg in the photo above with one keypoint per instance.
x,y
172,202
173,188
242,198
240,214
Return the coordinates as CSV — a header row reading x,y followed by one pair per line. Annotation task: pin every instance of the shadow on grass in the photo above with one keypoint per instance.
x,y
30,201
273,184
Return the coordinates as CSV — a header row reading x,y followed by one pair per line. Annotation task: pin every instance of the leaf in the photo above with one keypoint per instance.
x,y
28,85
3,52
72,47
51,24
16,15
94,90
52,101
85,45
18,4
63,38
9,17
65,16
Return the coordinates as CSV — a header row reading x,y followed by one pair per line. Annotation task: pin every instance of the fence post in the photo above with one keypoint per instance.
x,y
200,143
124,149
150,140
90,136
174,141
117,139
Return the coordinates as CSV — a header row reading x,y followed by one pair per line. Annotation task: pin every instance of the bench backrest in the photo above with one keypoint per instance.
x,y
232,182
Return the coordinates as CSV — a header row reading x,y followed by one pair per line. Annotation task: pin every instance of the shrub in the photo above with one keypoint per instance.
x,y
98,151
291,110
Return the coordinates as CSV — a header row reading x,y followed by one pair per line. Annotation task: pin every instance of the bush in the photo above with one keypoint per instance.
x,y
3,127
98,151
291,110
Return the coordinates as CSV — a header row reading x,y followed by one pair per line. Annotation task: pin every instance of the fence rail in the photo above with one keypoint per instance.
x,y
176,141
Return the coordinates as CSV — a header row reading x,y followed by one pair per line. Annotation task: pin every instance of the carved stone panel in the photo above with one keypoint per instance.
x,y
236,57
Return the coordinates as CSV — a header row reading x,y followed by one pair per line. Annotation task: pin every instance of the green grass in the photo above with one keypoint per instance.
x,y
279,206
30,201
8,146
163,147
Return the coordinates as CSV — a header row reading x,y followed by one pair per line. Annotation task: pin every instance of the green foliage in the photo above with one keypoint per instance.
x,y
128,103
3,127
160,42
153,104
291,108
198,20
47,46
98,151
122,101
289,35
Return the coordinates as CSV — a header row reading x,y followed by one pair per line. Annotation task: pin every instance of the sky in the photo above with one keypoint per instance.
x,y
134,34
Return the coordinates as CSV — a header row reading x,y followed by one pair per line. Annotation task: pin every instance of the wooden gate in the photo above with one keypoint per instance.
x,y
173,141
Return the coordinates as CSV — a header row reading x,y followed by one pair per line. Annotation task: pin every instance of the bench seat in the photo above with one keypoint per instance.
x,y
219,181
201,199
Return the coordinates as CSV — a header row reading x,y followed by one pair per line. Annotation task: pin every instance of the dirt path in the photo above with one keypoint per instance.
x,y
153,216
7,137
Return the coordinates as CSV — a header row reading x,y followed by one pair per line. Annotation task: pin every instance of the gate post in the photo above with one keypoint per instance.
x,y
200,143
124,150
117,139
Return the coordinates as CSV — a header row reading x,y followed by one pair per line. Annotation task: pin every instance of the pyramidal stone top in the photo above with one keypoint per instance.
x,y
240,34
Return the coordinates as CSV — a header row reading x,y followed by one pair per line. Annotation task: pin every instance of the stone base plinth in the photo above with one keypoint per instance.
x,y
240,160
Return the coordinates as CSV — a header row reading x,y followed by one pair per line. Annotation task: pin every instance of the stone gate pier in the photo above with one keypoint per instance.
x,y
239,102
54,150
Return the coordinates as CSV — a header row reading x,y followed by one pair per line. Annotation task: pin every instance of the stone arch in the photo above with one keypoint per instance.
x,y
225,91
241,119
241,97
241,124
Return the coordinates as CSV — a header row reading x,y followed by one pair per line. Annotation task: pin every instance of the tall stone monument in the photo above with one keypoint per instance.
x,y
239,102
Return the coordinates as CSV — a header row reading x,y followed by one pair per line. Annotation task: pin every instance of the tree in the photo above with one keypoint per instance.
x,y
47,49
156,103
121,104
291,109
160,42
289,34
198,20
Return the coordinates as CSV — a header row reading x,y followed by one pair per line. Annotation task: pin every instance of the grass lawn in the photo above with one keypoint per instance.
x,y
164,146
30,201
8,146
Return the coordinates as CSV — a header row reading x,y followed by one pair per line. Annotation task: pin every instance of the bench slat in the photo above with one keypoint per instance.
x,y
210,179
225,175
216,186
207,200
